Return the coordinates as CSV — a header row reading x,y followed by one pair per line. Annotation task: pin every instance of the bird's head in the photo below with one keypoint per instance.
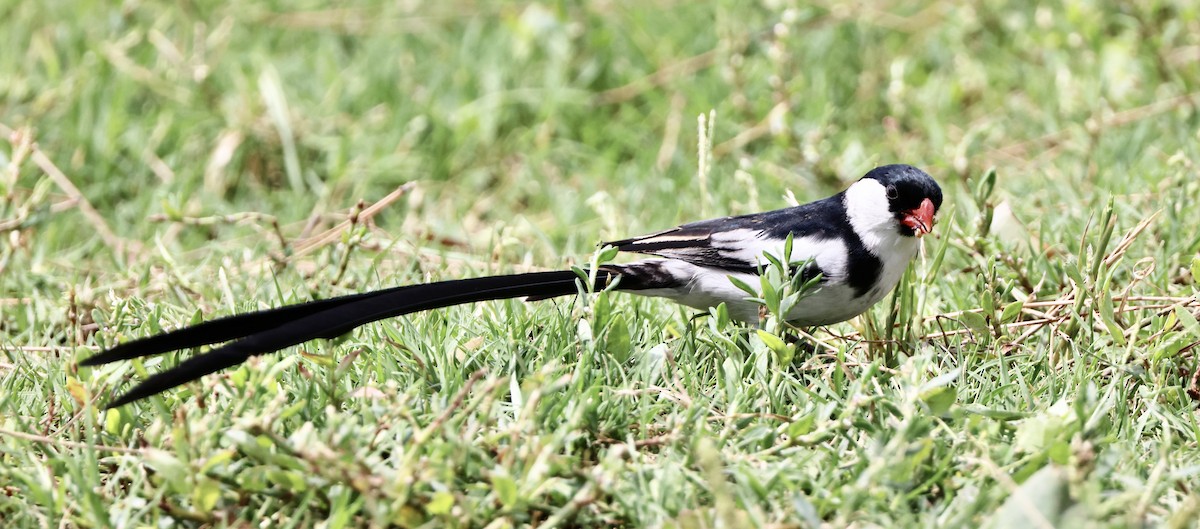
x,y
895,196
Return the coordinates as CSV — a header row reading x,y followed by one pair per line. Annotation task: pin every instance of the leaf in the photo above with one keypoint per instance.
x,y
291,480
168,467
788,354
224,456
943,379
618,342
1188,321
405,516
771,297
743,286
206,494
1038,432
940,400
606,254
998,414
506,489
985,187
441,503
77,391
805,510
1060,452
783,350
1073,271
732,376
602,309
240,375
584,331
776,262
988,300
112,421
1195,271
1039,502
1106,315
1011,311
319,359
253,479
975,321
802,425
723,319
774,343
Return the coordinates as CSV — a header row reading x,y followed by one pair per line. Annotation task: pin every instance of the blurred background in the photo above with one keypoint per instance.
x,y
164,160
535,129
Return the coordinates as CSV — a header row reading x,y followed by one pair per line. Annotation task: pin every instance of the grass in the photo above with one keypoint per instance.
x,y
168,163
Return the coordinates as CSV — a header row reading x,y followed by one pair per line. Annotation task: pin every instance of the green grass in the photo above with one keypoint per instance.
x,y
1033,371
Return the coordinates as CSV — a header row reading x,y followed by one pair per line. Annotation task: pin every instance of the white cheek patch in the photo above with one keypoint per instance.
x,y
868,210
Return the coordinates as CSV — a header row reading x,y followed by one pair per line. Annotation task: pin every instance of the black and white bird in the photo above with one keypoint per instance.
x,y
858,242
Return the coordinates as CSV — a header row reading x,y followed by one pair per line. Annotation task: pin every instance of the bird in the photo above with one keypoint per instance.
x,y
854,246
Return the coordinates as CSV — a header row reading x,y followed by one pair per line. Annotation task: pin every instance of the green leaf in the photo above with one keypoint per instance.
x,y
253,479
1108,225
206,494
506,489
788,354
1060,452
606,254
774,343
217,459
732,377
985,187
1195,273
168,467
618,342
1107,317
1073,271
940,400
744,286
1037,433
584,330
441,503
288,479
170,211
802,425
112,421
975,321
1188,321
1040,501
1011,311
998,414
723,319
988,300
601,308
776,262
771,298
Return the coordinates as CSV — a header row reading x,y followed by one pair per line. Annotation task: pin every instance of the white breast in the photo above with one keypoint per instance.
x,y
834,301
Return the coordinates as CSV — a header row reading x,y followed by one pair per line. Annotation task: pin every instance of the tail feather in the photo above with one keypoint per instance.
x,y
274,329
222,329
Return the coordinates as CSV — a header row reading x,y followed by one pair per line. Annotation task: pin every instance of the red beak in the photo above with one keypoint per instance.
x,y
920,219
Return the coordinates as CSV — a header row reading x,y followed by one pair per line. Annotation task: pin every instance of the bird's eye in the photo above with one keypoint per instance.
x,y
892,193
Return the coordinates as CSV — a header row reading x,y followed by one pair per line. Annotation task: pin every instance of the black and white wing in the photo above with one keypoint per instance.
x,y
737,244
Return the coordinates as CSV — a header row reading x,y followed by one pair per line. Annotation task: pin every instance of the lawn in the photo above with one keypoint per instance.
x,y
161,164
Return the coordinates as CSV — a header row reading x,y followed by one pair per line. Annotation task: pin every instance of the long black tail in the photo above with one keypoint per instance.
x,y
274,329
